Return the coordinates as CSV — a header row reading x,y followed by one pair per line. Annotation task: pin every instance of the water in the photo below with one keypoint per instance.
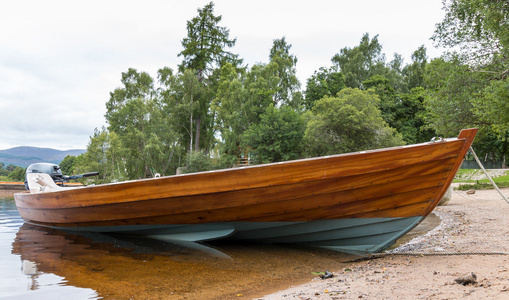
x,y
42,263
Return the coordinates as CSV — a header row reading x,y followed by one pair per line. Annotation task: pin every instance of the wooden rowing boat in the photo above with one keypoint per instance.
x,y
356,202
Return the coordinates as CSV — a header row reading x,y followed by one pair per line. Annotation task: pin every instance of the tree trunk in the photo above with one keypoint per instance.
x,y
197,137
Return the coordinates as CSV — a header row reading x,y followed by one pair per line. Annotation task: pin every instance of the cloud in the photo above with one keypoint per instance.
x,y
59,60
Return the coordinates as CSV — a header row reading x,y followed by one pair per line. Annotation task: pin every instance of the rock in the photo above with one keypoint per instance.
x,y
446,197
471,191
326,275
467,279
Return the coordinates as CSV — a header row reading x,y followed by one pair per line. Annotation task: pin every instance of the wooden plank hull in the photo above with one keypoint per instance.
x,y
315,201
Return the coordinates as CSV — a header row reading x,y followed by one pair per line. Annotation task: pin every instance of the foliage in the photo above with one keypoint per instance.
x,y
405,112
482,186
204,46
67,165
278,136
493,146
12,173
233,114
493,108
3,172
324,82
478,27
285,71
451,87
350,121
17,174
361,62
208,112
413,74
470,83
104,155
198,162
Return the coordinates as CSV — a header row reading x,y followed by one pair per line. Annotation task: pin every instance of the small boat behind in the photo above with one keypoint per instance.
x,y
358,202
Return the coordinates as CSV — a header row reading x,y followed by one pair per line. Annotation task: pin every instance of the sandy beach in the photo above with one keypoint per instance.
x,y
471,223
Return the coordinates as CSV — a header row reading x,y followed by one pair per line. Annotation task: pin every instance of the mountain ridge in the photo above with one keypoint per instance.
x,y
23,156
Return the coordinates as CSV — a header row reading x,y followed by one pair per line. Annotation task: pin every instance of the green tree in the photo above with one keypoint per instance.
x,y
480,28
67,165
278,136
260,84
361,62
3,172
350,121
206,43
136,86
185,102
493,108
104,155
451,89
414,72
324,82
288,83
231,110
205,52
17,174
473,75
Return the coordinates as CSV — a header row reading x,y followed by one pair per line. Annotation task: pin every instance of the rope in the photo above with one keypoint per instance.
x,y
436,253
487,175
411,253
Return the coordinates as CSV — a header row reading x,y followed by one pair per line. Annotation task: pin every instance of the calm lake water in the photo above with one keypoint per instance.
x,y
42,263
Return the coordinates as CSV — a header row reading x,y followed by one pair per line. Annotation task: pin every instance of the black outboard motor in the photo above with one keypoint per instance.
x,y
55,173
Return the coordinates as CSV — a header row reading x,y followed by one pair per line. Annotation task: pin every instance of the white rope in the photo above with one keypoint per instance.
x,y
487,175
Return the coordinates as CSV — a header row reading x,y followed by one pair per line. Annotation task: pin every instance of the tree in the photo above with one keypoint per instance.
x,y
17,174
288,83
493,108
204,46
185,102
325,82
451,88
137,86
414,73
278,136
350,121
204,51
480,28
361,62
67,165
477,68
104,155
231,110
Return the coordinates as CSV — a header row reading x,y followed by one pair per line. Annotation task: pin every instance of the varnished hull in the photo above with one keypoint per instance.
x,y
363,200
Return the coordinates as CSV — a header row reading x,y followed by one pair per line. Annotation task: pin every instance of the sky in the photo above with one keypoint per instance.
x,y
59,60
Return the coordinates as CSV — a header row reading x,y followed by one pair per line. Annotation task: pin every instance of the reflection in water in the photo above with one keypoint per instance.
x,y
63,265
22,279
120,267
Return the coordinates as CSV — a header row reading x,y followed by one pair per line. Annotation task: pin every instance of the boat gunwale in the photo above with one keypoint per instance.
x,y
237,169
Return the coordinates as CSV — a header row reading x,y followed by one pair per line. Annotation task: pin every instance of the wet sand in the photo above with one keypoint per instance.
x,y
470,223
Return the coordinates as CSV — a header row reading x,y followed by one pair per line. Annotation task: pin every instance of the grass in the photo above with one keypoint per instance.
x,y
481,184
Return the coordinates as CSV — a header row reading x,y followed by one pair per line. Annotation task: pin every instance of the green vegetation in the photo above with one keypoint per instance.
x,y
11,173
482,186
464,178
214,109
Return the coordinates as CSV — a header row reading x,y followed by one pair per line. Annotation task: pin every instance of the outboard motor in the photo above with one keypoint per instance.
x,y
50,169
53,171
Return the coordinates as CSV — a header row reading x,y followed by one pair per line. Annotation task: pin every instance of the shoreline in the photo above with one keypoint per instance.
x,y
475,223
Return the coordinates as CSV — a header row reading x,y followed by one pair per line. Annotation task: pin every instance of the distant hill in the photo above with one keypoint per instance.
x,y
24,156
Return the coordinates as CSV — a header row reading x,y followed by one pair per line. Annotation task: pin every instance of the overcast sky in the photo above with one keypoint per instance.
x,y
59,60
